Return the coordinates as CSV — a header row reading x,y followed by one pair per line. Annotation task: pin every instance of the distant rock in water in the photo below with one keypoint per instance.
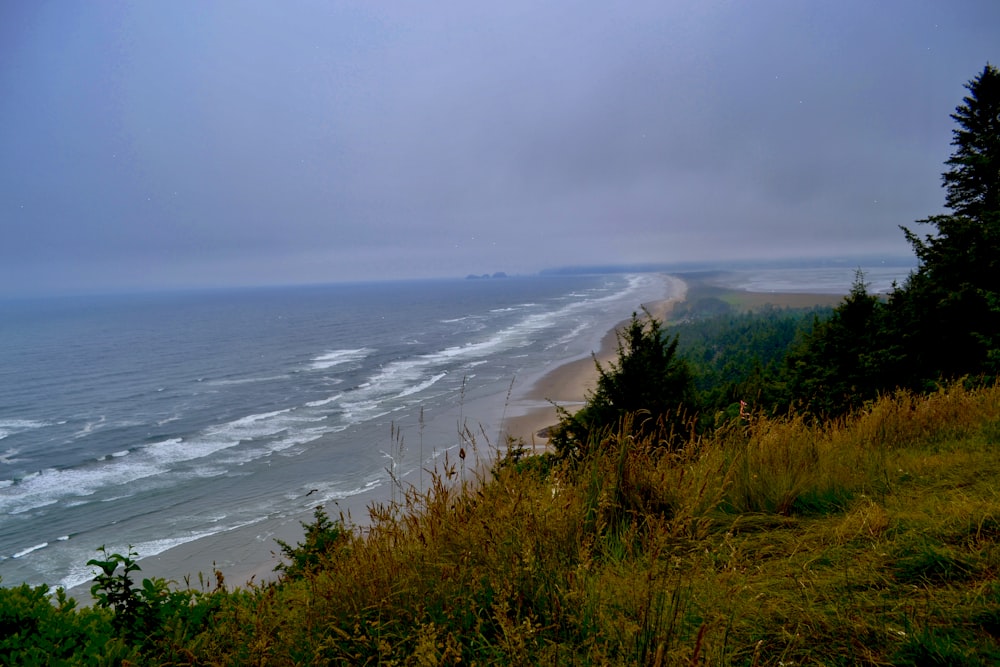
x,y
486,276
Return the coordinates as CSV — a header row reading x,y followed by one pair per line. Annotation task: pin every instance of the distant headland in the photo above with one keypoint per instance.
x,y
486,276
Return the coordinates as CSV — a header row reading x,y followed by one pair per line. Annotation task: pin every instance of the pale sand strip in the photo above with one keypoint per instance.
x,y
250,553
569,385
244,554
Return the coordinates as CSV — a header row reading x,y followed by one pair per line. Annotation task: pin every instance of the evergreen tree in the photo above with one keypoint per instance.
x,y
649,382
648,375
843,362
742,357
947,316
973,182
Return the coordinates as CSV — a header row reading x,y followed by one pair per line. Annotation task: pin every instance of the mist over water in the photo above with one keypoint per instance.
x,y
879,278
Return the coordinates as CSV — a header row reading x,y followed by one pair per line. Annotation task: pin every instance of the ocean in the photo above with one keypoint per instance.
x,y
154,420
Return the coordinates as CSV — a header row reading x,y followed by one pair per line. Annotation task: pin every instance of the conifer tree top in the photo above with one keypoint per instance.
x,y
973,180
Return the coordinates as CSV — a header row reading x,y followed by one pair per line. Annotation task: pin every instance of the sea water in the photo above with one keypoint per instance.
x,y
153,420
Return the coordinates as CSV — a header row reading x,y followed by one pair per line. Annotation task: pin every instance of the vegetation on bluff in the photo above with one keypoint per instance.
x,y
872,539
785,488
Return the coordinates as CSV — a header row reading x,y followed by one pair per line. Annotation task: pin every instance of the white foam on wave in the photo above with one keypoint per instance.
x,y
250,380
121,468
427,384
338,357
243,456
356,411
10,456
9,427
405,377
158,546
393,381
221,437
570,336
518,334
24,552
90,427
325,401
522,333
51,485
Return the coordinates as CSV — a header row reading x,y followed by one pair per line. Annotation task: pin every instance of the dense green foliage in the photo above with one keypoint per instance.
x,y
322,537
147,614
841,364
37,628
741,356
945,321
846,511
649,384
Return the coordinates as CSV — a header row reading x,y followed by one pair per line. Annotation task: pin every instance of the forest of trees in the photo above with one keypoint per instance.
x,y
941,325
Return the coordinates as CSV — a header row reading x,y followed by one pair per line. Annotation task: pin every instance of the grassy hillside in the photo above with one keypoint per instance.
x,y
869,541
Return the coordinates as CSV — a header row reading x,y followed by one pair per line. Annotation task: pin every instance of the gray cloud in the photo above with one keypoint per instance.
x,y
160,144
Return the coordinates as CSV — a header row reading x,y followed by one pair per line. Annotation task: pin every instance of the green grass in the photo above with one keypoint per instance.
x,y
873,540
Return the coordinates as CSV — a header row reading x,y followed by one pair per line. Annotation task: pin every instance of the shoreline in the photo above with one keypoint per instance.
x,y
568,384
248,554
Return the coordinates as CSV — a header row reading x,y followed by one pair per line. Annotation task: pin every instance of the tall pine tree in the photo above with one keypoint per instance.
x,y
649,383
947,316
843,362
973,182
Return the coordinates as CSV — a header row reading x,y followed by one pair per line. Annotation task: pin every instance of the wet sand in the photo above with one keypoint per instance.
x,y
250,553
568,385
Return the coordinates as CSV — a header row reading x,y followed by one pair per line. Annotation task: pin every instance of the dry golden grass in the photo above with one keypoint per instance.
x,y
869,541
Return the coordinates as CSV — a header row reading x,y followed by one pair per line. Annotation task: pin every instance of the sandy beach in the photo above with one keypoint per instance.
x,y
250,553
568,385
242,555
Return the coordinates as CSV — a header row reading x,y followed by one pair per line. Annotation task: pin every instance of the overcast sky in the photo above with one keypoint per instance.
x,y
170,143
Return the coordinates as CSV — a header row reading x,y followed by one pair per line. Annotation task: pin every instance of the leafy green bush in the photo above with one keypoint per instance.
x,y
146,615
39,629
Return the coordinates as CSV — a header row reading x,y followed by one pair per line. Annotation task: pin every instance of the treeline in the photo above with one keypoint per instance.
x,y
941,325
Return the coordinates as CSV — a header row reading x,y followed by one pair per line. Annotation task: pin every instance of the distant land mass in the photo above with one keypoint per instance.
x,y
486,276
785,263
